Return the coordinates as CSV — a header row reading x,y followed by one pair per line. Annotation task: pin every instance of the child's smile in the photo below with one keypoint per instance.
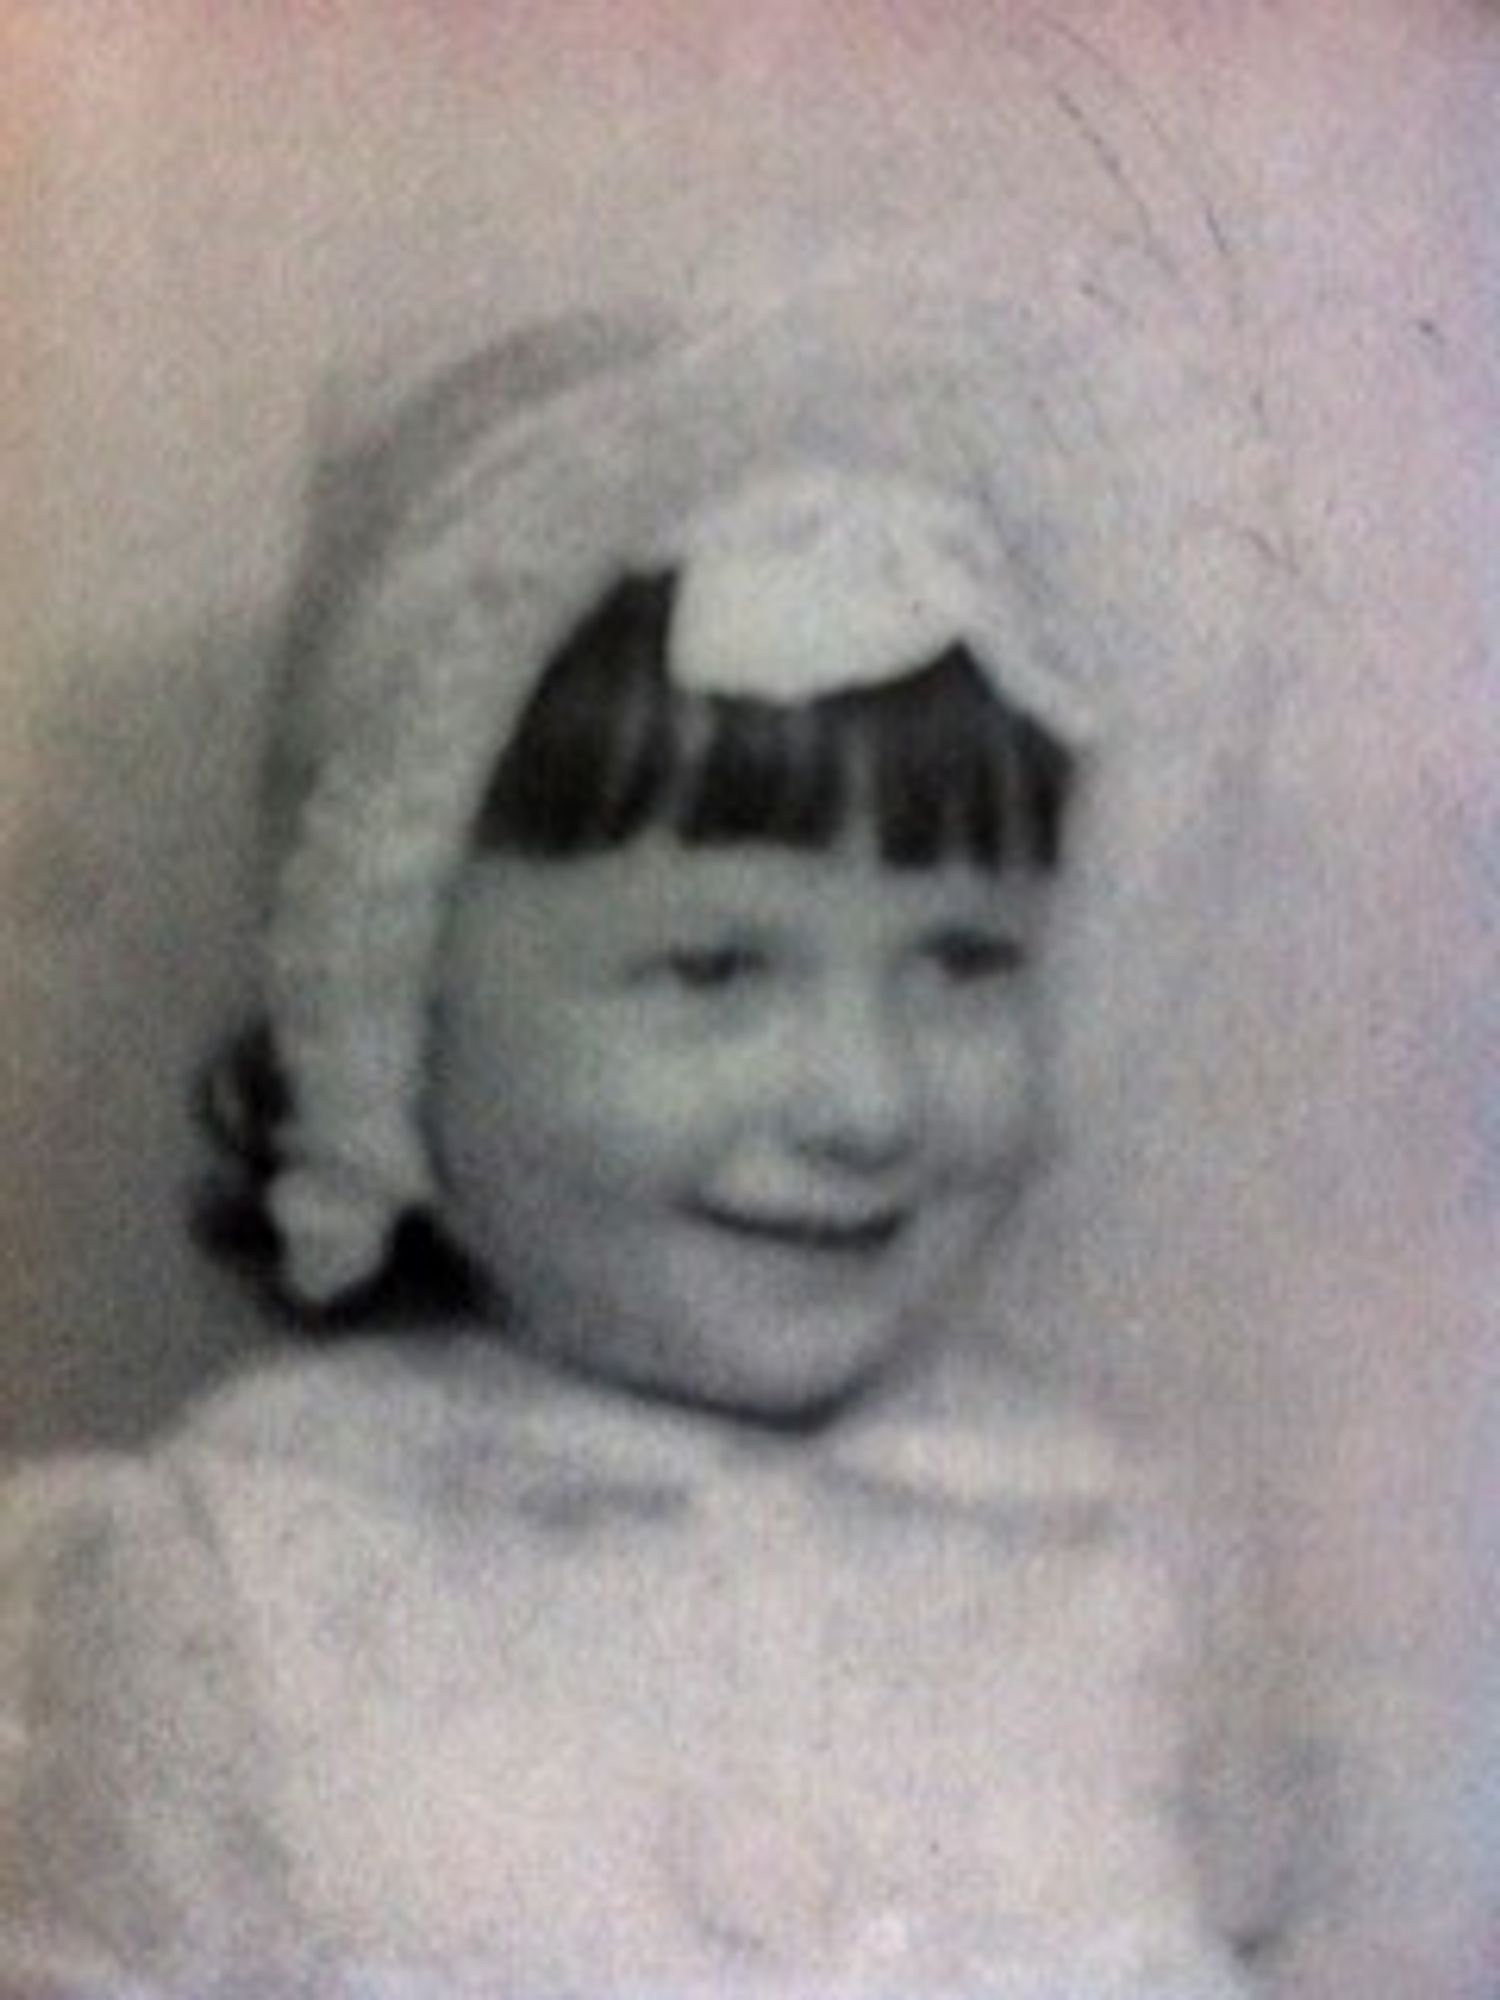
x,y
855,1236
728,1123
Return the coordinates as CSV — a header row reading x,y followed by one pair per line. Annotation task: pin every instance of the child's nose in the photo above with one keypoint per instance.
x,y
854,1097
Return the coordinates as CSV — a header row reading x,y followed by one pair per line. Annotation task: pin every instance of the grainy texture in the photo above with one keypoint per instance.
x,y
209,215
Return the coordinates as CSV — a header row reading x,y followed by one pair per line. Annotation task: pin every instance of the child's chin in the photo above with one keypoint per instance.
x,y
757,1365
790,1389
800,1405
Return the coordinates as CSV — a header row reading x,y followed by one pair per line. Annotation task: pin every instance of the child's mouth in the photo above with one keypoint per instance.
x,y
855,1236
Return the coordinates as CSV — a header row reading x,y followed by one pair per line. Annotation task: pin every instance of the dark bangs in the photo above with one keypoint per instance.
x,y
943,766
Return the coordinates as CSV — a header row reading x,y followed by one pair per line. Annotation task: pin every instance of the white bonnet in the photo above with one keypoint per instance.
x,y
920,462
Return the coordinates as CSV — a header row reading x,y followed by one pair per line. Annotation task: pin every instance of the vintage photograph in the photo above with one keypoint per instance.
x,y
748,899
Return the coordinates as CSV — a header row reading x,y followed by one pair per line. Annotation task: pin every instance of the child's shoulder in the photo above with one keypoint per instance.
x,y
357,1402
431,1432
368,1402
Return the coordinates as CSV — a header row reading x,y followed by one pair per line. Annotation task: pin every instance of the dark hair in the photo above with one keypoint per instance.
x,y
608,748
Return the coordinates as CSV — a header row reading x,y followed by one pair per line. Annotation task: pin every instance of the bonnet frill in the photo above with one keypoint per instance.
x,y
1054,462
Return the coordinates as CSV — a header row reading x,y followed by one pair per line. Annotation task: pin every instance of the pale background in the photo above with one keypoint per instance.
x,y
204,209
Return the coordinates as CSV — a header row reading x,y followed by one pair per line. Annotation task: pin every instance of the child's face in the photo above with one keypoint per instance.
x,y
729,1123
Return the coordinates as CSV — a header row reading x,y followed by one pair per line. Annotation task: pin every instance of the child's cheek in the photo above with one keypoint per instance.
x,y
988,1089
706,1071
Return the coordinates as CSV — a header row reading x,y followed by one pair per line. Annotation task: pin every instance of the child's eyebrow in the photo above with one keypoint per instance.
x,y
965,923
715,917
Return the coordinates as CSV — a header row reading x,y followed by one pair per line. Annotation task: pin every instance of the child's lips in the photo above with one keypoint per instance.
x,y
848,1235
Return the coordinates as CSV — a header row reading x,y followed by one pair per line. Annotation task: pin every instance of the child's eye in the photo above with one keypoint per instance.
x,y
967,957
710,968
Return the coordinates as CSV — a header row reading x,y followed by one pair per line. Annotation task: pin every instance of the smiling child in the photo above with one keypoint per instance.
x,y
673,804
